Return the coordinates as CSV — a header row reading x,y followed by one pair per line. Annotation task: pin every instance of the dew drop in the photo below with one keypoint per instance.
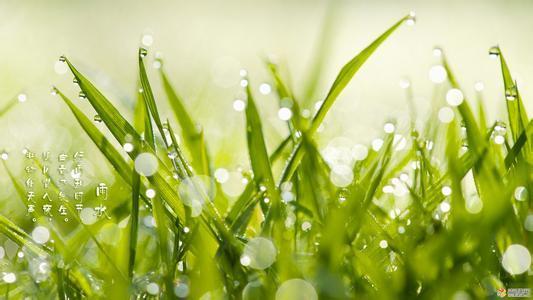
x,y
516,259
22,97
259,253
60,67
446,114
296,288
146,164
499,139
221,175
473,205
437,74
411,19
40,234
446,190
239,105
9,277
143,52
306,226
181,289
82,95
444,207
265,88
128,147
479,86
377,144
511,94
285,113
150,193
152,288
147,40
4,155
454,97
359,152
389,128
97,118
383,244
404,83
88,216
494,52
341,175
528,224
520,193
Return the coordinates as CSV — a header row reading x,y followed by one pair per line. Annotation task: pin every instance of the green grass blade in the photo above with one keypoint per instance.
x,y
119,127
515,107
346,74
192,133
259,159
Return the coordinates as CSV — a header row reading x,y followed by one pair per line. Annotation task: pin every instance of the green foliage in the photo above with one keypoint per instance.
x,y
354,238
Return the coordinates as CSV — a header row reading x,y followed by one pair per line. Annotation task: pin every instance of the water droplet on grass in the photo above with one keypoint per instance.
x,y
494,52
146,164
520,193
22,97
296,289
259,253
446,115
239,105
411,19
265,88
143,52
40,234
147,40
9,277
437,74
516,259
454,97
285,113
511,93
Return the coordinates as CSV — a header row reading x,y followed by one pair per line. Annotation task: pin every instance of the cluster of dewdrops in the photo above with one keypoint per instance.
x,y
39,267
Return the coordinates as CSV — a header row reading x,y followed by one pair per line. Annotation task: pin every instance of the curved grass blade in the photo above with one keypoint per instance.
x,y
343,78
192,133
119,127
260,161
515,107
6,108
20,237
346,74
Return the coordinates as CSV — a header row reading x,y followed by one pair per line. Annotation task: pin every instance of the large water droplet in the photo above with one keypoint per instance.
x,y
40,234
454,97
520,193
146,164
260,252
516,259
296,289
